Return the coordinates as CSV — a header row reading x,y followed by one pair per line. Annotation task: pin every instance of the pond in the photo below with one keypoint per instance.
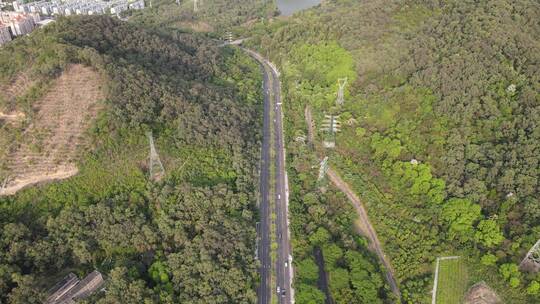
x,y
289,7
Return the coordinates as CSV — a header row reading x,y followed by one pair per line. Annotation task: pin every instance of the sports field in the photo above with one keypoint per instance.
x,y
453,281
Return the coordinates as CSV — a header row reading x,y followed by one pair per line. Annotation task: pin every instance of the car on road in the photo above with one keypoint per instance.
x,y
278,290
280,235
286,264
279,196
283,293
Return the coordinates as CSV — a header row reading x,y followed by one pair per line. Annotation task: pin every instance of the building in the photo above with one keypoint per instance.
x,y
79,7
19,23
136,5
119,7
44,22
70,288
5,34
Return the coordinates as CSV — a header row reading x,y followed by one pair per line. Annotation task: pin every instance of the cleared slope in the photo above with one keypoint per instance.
x,y
50,145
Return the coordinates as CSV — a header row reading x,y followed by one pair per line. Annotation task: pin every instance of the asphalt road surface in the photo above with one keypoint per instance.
x,y
263,228
284,257
272,102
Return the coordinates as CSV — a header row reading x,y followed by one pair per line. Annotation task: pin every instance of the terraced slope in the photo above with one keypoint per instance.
x,y
9,92
50,146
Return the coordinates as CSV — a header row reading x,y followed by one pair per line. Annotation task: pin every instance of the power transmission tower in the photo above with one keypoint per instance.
x,y
229,37
195,5
4,185
342,82
323,169
178,2
531,262
300,139
156,167
331,126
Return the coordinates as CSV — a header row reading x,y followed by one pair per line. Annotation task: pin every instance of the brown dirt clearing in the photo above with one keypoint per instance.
x,y
53,138
480,293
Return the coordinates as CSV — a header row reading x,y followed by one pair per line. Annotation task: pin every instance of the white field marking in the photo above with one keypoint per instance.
x,y
436,279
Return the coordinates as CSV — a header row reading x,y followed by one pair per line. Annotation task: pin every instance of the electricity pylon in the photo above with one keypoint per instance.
x,y
331,126
229,37
323,169
196,5
531,262
4,184
342,82
300,139
156,167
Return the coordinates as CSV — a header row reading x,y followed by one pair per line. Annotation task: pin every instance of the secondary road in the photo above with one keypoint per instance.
x,y
272,102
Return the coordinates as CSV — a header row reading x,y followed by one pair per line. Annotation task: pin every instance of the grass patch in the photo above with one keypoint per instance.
x,y
453,280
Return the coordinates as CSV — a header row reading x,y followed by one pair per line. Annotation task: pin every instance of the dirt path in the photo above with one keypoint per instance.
x,y
12,117
365,225
375,244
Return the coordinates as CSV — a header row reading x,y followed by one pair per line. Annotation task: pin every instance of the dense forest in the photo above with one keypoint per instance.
x,y
439,138
439,127
187,238
326,239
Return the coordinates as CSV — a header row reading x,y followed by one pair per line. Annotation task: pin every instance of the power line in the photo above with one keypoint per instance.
x,y
342,82
156,167
323,169
331,126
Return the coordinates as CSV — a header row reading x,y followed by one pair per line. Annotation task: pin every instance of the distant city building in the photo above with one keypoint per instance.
x,y
27,15
5,34
16,24
119,7
77,7
44,22
136,5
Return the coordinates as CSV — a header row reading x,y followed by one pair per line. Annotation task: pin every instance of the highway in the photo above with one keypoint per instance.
x,y
282,264
263,232
284,257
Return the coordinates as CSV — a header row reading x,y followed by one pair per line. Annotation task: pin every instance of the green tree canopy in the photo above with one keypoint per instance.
x,y
460,215
488,233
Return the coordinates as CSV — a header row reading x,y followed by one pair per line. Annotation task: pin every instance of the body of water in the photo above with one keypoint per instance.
x,y
289,7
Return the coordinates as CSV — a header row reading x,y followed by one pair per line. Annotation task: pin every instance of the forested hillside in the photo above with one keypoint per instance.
x,y
189,237
439,127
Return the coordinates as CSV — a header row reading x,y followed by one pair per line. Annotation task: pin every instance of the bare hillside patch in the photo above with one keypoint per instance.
x,y
197,26
16,88
481,294
49,148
